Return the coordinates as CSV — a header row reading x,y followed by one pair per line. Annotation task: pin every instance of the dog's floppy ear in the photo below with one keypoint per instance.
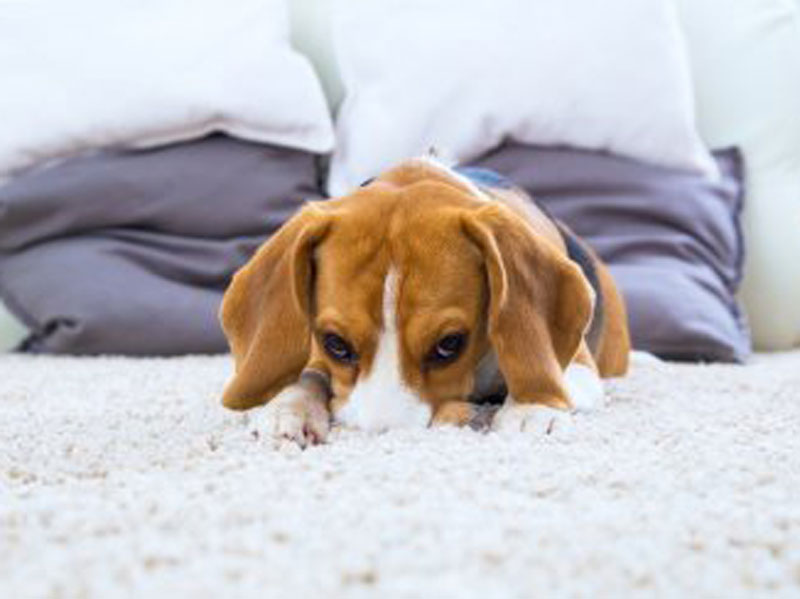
x,y
265,311
540,304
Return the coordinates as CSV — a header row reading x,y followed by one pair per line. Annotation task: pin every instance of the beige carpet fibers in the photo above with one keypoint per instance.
x,y
124,478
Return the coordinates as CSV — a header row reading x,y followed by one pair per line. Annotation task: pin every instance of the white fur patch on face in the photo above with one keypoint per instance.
x,y
381,400
584,387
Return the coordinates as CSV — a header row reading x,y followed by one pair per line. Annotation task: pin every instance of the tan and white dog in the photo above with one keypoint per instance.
x,y
412,299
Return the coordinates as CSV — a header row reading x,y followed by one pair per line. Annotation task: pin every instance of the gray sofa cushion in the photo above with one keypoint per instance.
x,y
129,252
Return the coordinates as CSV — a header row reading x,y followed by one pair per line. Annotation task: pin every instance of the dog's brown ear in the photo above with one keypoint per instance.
x,y
265,311
540,304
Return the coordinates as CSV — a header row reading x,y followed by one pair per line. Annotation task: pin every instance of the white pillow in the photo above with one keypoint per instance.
x,y
311,35
12,331
746,61
461,76
90,73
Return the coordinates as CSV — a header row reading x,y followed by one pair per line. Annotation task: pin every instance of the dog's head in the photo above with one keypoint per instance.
x,y
396,292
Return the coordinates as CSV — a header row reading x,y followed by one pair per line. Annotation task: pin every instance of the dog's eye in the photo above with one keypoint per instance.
x,y
338,348
447,349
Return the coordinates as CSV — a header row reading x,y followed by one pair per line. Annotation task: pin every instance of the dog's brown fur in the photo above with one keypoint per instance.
x,y
497,269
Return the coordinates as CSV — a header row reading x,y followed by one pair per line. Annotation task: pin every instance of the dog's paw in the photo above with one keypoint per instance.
x,y
532,418
294,415
585,388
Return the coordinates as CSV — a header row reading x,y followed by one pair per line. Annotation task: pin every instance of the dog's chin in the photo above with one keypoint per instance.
x,y
381,412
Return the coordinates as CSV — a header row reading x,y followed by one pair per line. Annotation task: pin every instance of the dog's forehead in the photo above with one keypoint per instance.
x,y
413,229
422,241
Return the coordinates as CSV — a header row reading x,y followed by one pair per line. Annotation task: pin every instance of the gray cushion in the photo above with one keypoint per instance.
x,y
129,252
672,240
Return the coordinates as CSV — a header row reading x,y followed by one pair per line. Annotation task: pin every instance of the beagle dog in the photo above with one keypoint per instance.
x,y
415,300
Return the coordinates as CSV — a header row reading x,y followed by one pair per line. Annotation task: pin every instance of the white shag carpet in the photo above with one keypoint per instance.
x,y
125,478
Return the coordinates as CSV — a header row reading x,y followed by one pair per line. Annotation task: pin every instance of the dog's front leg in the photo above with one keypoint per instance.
x,y
547,414
299,413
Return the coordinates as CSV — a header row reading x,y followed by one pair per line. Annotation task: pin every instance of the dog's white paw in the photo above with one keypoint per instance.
x,y
294,415
585,388
531,418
